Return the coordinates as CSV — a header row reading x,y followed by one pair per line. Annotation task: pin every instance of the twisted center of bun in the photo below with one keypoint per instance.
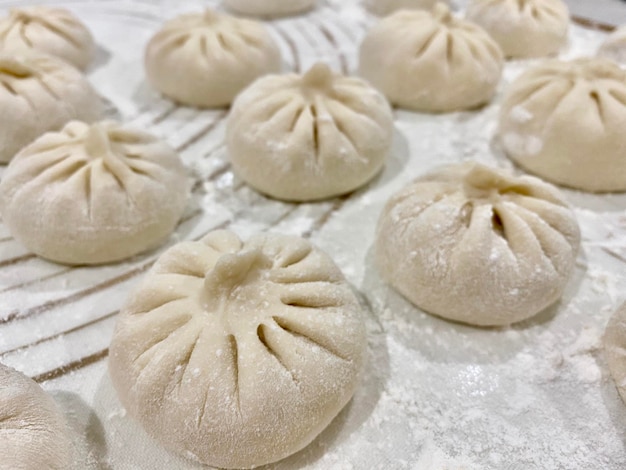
x,y
210,16
232,271
442,13
319,77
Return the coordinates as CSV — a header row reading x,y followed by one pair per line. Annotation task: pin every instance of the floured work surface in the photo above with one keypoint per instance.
x,y
436,395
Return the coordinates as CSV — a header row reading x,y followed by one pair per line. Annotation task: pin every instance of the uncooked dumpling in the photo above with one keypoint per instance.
x,y
270,8
206,59
93,194
431,61
385,7
33,432
51,30
478,245
311,136
40,93
523,28
238,354
566,122
615,349
614,47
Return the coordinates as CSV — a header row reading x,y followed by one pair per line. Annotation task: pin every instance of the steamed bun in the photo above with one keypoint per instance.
x,y
40,93
270,8
614,47
523,28
206,59
238,354
33,432
566,122
431,61
51,30
308,137
93,194
478,245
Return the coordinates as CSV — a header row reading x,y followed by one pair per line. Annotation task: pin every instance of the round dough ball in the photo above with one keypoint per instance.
x,y
614,47
385,7
614,342
431,62
270,8
238,354
33,433
477,245
308,137
523,28
93,194
205,60
566,122
51,30
39,93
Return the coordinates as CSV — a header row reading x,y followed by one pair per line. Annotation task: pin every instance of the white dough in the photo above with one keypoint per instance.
x,y
51,30
386,7
477,245
270,8
206,59
523,28
33,432
40,93
93,194
238,354
615,349
574,127
431,61
311,136
614,47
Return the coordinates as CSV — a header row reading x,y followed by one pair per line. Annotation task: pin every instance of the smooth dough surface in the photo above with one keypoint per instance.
x,y
566,121
431,61
523,28
51,30
614,343
206,59
308,137
93,194
614,47
385,7
270,8
238,354
33,432
40,93
478,245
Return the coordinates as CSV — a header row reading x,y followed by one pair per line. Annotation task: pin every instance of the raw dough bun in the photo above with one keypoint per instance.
x,y
93,194
52,30
615,349
205,60
39,93
238,354
431,62
386,7
33,433
523,28
478,245
566,122
614,47
311,136
270,8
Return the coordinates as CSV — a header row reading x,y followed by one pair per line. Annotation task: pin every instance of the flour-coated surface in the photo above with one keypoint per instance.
x,y
435,394
523,28
431,61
